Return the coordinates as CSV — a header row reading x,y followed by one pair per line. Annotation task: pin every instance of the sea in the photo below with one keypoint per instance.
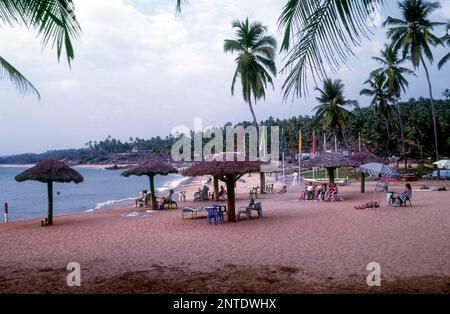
x,y
101,189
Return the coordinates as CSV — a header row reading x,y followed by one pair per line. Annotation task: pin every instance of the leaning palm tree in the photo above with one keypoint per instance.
x,y
380,100
414,36
446,41
54,21
331,109
395,82
255,63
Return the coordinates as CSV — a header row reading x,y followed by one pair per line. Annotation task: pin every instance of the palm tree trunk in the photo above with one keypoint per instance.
x,y
345,140
255,122
231,199
433,109
402,134
50,202
152,191
388,135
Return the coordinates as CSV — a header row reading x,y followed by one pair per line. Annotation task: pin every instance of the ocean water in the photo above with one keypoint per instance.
x,y
101,189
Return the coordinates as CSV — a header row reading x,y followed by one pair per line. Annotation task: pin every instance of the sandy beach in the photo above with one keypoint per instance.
x,y
296,247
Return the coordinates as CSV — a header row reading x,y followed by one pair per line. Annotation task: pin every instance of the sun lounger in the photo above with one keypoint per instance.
x,y
247,211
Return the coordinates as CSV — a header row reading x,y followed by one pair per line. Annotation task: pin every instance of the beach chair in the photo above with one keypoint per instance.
x,y
146,201
197,196
182,196
404,202
253,193
215,214
169,200
247,211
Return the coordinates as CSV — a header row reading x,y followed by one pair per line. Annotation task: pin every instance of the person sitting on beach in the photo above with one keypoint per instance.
x,y
205,196
399,200
308,193
320,195
222,193
331,193
283,190
169,199
371,204
141,198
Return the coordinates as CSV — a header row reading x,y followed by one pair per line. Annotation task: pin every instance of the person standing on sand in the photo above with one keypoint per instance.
x,y
295,178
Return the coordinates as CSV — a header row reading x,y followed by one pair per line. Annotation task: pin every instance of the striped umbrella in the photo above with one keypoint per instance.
x,y
377,169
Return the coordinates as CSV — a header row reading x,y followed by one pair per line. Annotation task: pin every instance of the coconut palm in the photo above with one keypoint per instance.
x,y
319,35
380,99
395,82
255,63
446,41
54,21
414,36
331,109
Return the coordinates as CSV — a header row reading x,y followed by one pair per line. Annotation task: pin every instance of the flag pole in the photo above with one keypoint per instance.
x,y
299,157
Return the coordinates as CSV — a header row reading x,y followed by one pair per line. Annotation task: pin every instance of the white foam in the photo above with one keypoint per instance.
x,y
172,184
109,203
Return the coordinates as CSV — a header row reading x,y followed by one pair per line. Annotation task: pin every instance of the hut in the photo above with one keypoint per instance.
x,y
151,168
228,172
49,171
331,162
363,158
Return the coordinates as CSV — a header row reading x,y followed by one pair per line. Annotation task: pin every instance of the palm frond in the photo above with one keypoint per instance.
x,y
53,20
20,82
319,36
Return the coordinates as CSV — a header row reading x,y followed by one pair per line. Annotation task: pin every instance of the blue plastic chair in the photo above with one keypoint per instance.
x,y
214,213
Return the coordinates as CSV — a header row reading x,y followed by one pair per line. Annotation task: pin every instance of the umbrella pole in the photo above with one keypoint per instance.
x,y
363,182
50,202
152,191
231,199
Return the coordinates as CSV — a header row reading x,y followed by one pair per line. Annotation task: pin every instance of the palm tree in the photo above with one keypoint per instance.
x,y
331,109
445,40
255,61
319,36
380,99
54,21
413,35
395,81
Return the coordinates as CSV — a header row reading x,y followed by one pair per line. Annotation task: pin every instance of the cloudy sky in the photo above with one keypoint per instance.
x,y
140,71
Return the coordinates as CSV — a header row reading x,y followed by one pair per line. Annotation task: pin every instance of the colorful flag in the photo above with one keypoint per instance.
x,y
300,143
314,144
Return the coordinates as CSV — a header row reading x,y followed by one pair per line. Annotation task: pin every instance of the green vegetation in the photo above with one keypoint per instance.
x,y
54,21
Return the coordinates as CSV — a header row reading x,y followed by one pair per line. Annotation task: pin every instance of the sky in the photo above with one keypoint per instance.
x,y
140,70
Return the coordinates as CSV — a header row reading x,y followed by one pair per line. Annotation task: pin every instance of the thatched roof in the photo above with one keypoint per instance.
x,y
50,170
328,160
150,168
366,157
222,168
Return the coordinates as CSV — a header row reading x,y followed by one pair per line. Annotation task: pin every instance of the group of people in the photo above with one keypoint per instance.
x,y
327,193
395,199
202,194
144,199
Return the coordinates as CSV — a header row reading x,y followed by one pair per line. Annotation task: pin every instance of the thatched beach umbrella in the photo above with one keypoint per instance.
x,y
49,171
362,158
151,168
331,162
226,171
